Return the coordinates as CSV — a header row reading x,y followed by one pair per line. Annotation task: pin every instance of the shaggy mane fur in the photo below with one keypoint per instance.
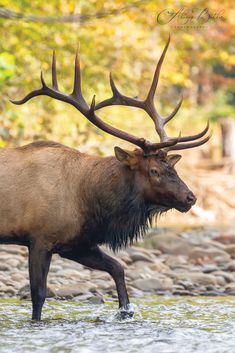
x,y
123,221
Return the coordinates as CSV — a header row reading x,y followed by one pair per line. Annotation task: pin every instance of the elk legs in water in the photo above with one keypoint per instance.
x,y
98,260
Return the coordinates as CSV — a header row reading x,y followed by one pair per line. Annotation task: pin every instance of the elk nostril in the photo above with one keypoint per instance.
x,y
191,198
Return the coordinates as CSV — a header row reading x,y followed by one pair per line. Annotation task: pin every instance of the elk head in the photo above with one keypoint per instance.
x,y
152,167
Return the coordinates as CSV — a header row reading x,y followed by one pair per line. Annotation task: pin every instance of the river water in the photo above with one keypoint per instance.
x,y
160,325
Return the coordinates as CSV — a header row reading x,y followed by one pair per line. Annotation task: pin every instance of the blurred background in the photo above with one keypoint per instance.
x,y
127,38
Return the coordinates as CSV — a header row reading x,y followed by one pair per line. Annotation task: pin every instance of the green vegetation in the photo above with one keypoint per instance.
x,y
119,36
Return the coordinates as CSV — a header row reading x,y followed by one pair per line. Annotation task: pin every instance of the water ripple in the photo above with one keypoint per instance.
x,y
160,324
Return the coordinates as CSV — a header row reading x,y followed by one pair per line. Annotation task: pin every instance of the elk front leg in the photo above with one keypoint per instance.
x,y
39,263
98,260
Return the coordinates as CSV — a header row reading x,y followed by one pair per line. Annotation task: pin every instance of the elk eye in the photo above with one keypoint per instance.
x,y
154,172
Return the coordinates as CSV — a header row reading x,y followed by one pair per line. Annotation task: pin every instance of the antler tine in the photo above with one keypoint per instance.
x,y
197,136
77,75
53,72
118,98
169,117
44,85
154,84
183,146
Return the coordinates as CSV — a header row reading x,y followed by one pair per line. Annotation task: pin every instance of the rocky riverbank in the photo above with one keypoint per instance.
x,y
197,262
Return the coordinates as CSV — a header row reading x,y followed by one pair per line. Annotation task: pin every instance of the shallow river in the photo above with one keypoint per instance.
x,y
161,324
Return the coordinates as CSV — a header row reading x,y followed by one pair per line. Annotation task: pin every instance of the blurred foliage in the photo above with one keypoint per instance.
x,y
200,64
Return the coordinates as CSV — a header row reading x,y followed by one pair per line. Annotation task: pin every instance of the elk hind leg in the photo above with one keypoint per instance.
x,y
96,259
39,263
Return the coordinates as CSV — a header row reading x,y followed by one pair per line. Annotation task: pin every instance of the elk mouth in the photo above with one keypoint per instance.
x,y
183,208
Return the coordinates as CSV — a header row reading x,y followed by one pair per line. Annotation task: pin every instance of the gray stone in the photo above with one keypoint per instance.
x,y
159,266
4,267
104,284
96,299
138,256
217,255
70,291
220,280
153,284
230,289
230,249
170,243
24,292
83,297
230,266
209,268
227,276
176,260
197,278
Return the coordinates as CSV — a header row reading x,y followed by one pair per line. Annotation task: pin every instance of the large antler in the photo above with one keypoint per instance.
x,y
149,107
77,100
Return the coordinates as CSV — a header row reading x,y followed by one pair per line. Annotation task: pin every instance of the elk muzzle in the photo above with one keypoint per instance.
x,y
188,199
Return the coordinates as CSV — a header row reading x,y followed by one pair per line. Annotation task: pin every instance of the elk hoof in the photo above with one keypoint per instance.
x,y
125,313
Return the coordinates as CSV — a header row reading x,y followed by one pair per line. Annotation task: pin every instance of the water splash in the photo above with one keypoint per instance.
x,y
159,324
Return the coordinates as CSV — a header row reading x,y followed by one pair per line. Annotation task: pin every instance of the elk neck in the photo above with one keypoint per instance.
x,y
116,212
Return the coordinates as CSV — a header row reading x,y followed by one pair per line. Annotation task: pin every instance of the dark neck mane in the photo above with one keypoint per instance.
x,y
127,223
119,215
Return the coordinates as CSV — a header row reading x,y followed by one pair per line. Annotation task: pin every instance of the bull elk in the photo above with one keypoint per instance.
x,y
55,199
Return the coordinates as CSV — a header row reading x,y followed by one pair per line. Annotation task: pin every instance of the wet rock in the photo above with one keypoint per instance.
x,y
14,250
227,276
178,291
96,299
197,278
70,291
221,281
230,266
156,252
100,275
171,243
24,292
209,268
211,243
186,284
55,268
70,273
230,249
138,256
8,291
82,297
4,267
13,263
230,289
153,284
132,275
125,258
135,292
3,277
213,254
226,238
176,260
159,266
18,278
104,284
140,267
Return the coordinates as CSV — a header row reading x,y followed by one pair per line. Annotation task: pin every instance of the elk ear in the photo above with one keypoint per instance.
x,y
173,159
123,156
